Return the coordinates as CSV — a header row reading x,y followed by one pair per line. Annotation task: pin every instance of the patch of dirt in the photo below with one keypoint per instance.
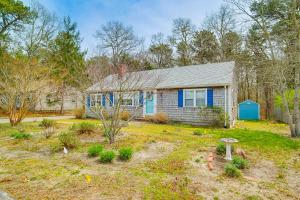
x,y
259,181
153,151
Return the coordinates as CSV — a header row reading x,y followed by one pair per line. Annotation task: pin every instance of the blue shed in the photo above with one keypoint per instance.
x,y
249,110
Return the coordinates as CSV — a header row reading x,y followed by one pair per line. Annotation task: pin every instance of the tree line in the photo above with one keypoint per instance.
x,y
262,37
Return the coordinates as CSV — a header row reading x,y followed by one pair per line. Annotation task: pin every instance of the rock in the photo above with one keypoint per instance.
x,y
4,196
241,152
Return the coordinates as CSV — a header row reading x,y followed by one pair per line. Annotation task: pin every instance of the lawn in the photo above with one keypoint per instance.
x,y
169,162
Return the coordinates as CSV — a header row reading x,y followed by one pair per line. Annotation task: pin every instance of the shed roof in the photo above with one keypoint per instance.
x,y
204,75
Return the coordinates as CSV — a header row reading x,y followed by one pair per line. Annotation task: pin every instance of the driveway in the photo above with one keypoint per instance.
x,y
38,119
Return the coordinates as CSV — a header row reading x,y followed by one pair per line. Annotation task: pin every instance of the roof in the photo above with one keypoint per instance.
x,y
204,75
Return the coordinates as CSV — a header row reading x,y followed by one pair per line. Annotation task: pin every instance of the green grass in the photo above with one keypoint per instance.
x,y
166,177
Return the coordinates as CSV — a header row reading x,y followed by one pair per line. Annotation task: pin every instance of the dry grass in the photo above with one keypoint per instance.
x,y
162,167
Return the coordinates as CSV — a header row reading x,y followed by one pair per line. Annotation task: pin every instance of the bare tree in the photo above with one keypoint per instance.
x,y
125,87
221,23
118,40
21,81
182,36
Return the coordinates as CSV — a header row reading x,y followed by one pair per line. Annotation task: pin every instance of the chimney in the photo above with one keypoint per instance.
x,y
122,70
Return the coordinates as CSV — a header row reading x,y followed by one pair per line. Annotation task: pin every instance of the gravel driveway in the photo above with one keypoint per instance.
x,y
38,119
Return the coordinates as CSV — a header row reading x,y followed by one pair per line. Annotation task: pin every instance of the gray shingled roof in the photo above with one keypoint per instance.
x,y
205,75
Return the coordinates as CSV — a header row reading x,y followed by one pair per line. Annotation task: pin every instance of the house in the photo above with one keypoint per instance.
x,y
180,92
50,101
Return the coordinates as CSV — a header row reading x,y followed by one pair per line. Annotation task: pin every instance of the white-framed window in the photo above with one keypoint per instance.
x,y
129,98
195,97
96,99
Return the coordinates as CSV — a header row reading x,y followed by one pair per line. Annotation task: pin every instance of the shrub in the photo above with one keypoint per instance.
x,y
221,149
18,135
197,132
125,153
56,147
107,156
47,123
125,115
231,170
239,162
48,132
95,150
161,118
68,140
84,128
79,113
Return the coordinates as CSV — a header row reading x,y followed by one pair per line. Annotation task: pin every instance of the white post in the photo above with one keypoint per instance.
x,y
225,105
228,151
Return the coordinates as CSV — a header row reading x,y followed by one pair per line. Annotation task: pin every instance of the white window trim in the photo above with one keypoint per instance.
x,y
194,99
96,99
133,94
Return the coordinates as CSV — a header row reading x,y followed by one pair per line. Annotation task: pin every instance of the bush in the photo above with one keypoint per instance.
x,y
18,135
197,132
48,132
56,147
79,113
47,123
231,170
68,140
125,153
125,115
107,156
239,162
84,128
95,150
221,149
161,118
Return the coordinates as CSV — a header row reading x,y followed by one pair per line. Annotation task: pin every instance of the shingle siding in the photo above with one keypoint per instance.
x,y
167,102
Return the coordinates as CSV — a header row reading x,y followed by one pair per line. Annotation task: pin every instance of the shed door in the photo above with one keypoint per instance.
x,y
249,111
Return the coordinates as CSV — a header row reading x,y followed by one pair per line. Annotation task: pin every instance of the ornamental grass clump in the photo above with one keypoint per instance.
x,y
107,156
84,128
47,123
239,162
125,153
197,132
69,140
221,149
95,150
232,171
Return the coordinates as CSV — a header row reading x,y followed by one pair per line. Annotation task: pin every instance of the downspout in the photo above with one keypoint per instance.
x,y
225,106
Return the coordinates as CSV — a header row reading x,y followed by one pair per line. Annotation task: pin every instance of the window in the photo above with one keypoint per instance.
x,y
96,100
129,99
195,98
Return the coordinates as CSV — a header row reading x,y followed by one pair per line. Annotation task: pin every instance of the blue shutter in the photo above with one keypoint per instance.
x,y
210,97
180,98
141,98
111,98
103,99
88,101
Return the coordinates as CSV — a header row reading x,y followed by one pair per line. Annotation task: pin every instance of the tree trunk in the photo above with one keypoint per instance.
x,y
296,101
287,110
62,99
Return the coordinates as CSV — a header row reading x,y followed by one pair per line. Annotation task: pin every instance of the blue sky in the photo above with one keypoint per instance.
x,y
147,17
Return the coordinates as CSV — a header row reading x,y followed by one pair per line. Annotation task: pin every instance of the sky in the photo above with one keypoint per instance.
x,y
147,17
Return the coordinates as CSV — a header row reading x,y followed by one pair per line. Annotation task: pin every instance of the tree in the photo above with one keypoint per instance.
x,y
117,40
21,82
68,60
205,47
160,51
13,15
182,36
268,16
35,38
221,23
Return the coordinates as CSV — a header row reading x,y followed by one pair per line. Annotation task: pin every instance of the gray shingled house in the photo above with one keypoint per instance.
x,y
180,92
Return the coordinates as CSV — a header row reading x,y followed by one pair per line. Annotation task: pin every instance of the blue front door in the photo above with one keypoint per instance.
x,y
149,103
